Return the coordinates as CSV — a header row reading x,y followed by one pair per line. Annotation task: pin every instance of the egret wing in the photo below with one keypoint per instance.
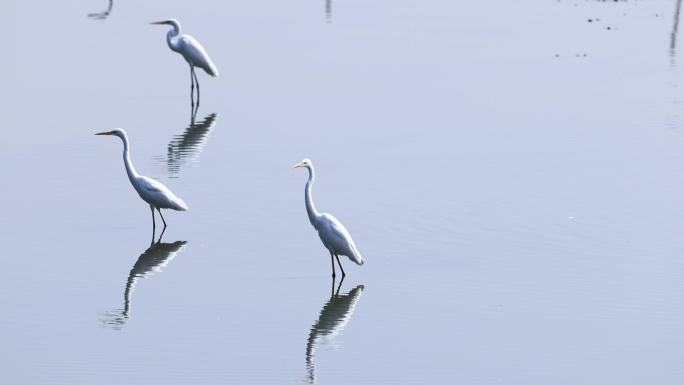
x,y
153,186
335,236
193,51
159,195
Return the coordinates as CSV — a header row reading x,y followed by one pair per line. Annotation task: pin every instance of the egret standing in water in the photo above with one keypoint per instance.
x,y
192,52
333,234
151,191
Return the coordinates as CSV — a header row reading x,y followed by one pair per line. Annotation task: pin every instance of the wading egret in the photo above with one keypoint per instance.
x,y
151,191
333,234
192,52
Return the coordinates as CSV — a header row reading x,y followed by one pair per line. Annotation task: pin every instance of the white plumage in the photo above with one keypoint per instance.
x,y
335,237
193,53
158,195
333,234
191,50
151,191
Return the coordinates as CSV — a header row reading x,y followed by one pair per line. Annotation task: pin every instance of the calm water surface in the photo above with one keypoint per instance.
x,y
513,173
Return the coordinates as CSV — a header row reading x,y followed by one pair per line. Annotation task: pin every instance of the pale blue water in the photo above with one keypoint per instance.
x,y
512,173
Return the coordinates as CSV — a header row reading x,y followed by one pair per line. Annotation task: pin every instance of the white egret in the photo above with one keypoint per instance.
x,y
333,234
192,52
151,191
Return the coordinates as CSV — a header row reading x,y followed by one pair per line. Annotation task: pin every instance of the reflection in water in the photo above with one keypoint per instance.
x,y
188,145
673,34
328,10
102,15
673,119
334,317
150,262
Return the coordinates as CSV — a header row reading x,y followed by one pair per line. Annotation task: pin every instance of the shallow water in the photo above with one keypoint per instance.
x,y
511,172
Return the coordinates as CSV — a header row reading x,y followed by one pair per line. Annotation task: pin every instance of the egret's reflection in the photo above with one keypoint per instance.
x,y
188,145
102,15
149,263
673,34
334,316
328,10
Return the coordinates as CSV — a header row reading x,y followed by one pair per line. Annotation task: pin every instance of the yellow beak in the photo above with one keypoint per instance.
x,y
300,164
104,133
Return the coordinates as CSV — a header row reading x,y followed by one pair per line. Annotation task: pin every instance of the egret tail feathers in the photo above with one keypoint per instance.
x,y
211,69
180,205
357,258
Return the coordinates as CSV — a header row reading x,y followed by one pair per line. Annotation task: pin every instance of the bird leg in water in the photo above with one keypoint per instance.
x,y
332,288
162,217
192,89
332,263
153,224
161,235
338,262
337,293
193,114
197,83
334,293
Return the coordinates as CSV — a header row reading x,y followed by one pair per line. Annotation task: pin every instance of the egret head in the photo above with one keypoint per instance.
x,y
116,132
305,163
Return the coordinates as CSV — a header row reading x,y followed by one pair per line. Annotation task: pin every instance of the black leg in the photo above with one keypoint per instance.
x,y
162,217
161,235
153,224
192,90
332,263
338,262
339,287
197,83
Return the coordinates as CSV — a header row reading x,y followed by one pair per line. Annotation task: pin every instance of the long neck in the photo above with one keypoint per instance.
x,y
130,170
171,37
310,208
